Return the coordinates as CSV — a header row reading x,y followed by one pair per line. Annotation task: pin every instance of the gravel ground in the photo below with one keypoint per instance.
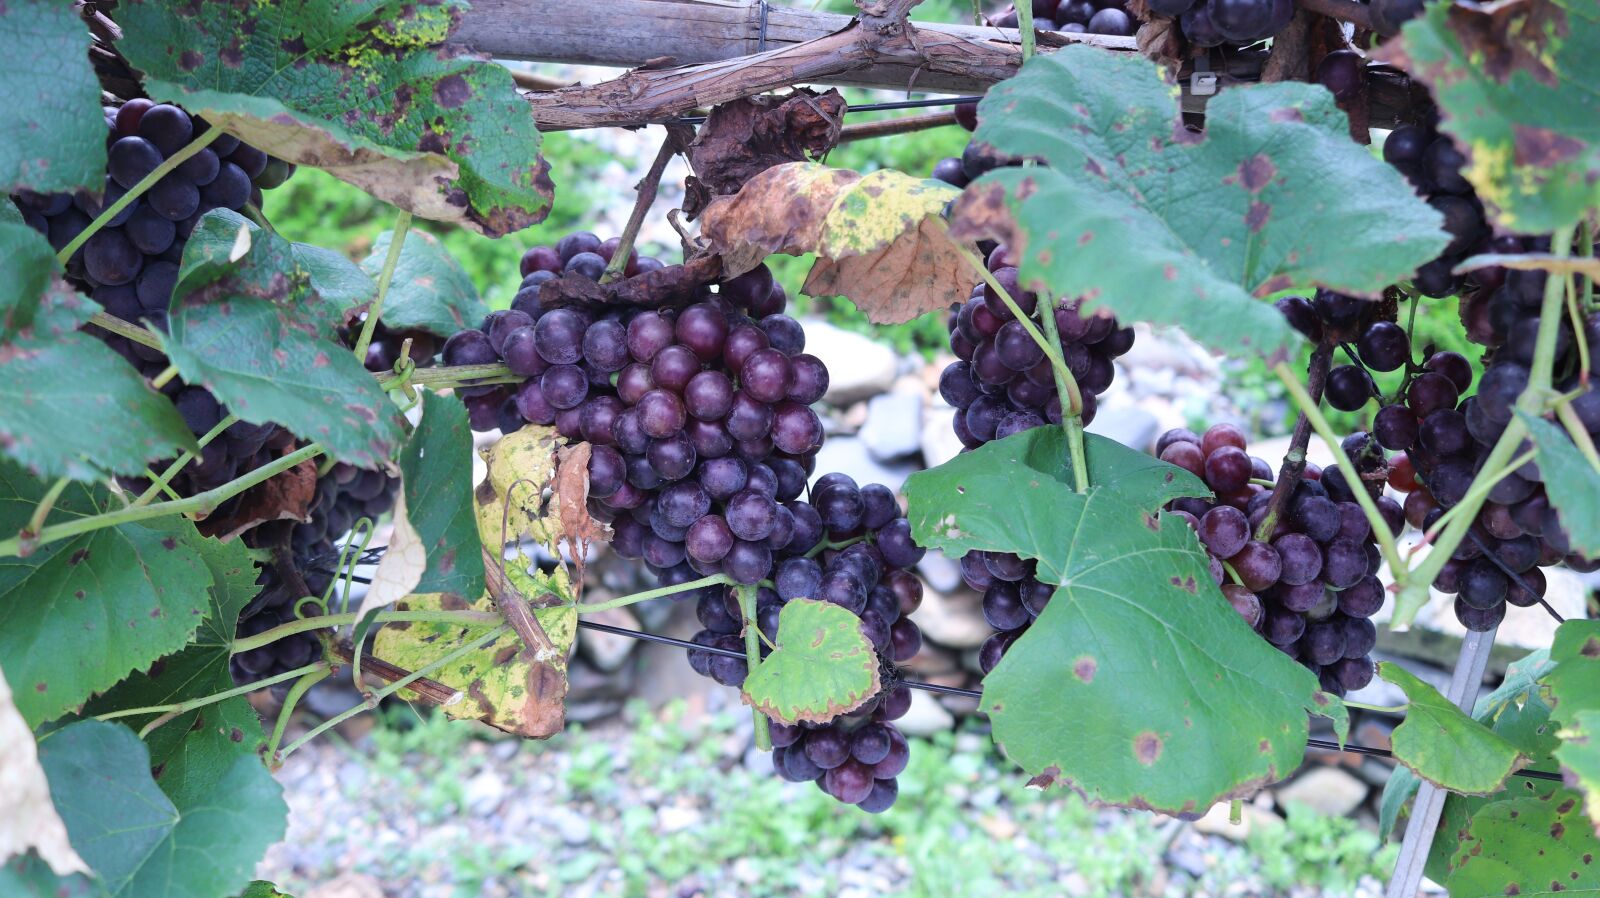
x,y
669,804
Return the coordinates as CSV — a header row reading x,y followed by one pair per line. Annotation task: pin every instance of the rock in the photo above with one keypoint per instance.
x,y
1327,790
595,709
939,571
331,697
893,428
607,651
1129,425
932,661
858,366
585,682
849,455
939,440
573,828
674,818
954,620
1216,822
926,716
483,793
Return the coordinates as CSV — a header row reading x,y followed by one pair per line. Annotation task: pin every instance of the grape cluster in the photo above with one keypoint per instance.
x,y
130,268
1075,17
1310,585
1433,165
702,441
1002,384
1445,440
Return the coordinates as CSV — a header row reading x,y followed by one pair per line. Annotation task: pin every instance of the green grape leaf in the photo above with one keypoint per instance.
x,y
1579,755
27,876
1272,195
248,325
879,238
1527,847
121,597
363,90
1575,680
55,137
69,405
822,665
338,281
1440,743
176,840
429,291
1516,711
506,684
1191,706
1515,88
436,471
1577,502
197,744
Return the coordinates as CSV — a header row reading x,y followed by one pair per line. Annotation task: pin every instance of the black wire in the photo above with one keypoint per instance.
x,y
868,107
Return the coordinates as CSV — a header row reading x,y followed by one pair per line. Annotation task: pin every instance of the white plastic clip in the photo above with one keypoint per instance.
x,y
1203,83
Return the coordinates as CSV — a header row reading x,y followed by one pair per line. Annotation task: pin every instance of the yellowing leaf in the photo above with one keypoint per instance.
x,y
878,237
510,501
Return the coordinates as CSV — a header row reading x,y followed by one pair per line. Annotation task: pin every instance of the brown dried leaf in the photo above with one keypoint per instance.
x,y
402,565
285,497
672,286
743,138
878,237
578,528
30,820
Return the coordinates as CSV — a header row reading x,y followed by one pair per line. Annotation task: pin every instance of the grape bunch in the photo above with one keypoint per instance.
x,y
1444,440
343,496
1002,384
1433,165
702,441
1075,17
1309,585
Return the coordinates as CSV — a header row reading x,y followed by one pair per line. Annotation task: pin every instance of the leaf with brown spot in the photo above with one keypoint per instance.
x,y
1136,630
366,91
1525,846
879,238
1514,81
1273,194
54,141
1575,688
507,684
743,138
248,323
510,501
124,573
823,666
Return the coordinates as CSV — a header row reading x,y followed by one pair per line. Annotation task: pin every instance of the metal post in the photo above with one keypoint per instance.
x,y
1465,683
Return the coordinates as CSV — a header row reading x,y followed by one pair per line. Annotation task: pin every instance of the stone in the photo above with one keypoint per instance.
x,y
1331,791
858,366
939,571
593,710
926,716
1216,821
939,442
483,793
572,827
954,620
1129,425
849,455
331,697
893,428
607,651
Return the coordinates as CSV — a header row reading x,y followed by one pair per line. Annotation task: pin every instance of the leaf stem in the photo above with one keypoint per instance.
x,y
325,621
199,502
402,226
299,689
1482,485
144,336
1580,436
42,511
752,657
1025,26
1071,407
178,464
622,601
1377,709
456,376
138,190
202,701
1294,460
373,700
164,378
1380,527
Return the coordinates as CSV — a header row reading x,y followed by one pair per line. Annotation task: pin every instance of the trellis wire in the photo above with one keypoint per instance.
x,y
1320,744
